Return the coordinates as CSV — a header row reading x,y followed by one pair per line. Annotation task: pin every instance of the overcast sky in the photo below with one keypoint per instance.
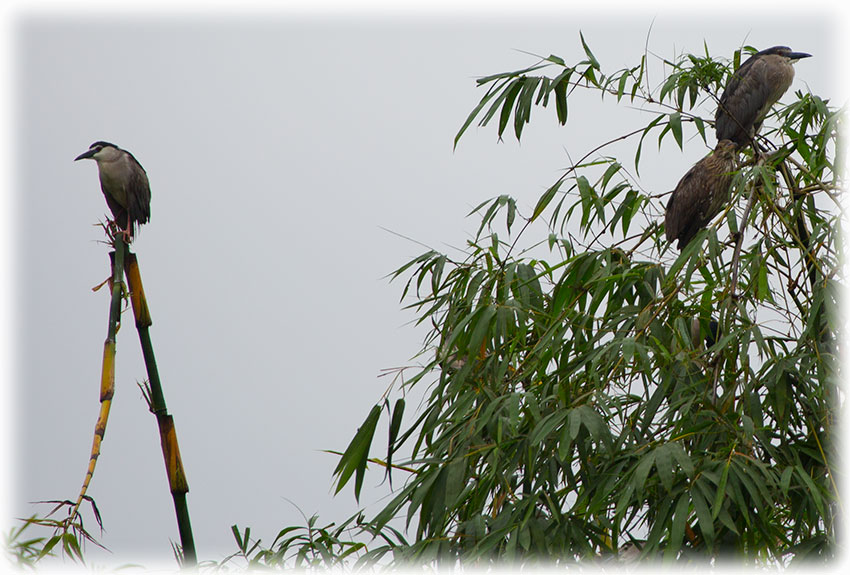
x,y
279,148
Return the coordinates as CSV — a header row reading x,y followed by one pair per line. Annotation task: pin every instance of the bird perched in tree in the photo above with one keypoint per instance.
x,y
700,194
752,90
124,183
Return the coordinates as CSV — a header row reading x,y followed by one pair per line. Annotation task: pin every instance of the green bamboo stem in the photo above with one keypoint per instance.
x,y
177,482
107,375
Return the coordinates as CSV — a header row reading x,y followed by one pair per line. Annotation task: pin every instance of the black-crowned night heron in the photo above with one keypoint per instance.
x,y
124,184
701,194
752,90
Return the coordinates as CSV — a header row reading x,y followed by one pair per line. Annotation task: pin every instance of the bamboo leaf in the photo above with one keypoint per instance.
x,y
676,127
642,470
561,98
510,95
593,61
545,199
546,425
480,328
785,480
682,458
677,530
706,523
812,488
664,463
356,455
395,426
474,114
720,495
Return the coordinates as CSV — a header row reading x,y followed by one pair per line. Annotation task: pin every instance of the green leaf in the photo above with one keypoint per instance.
x,y
545,427
664,464
510,95
682,458
474,114
556,60
612,169
813,489
646,131
561,96
677,530
356,455
706,523
480,328
720,494
621,85
676,127
785,480
763,288
511,213
587,195
545,199
48,547
595,425
593,61
574,419
395,426
642,470
522,114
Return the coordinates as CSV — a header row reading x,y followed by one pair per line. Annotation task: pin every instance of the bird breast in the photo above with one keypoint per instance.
x,y
112,179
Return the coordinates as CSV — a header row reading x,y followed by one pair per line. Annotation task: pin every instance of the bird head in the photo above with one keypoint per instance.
x,y
725,147
785,52
100,152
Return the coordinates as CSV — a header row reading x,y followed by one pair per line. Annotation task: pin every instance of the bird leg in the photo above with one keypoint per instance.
x,y
111,228
127,231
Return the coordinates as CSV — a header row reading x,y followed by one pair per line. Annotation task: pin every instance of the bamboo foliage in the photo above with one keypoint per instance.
x,y
570,372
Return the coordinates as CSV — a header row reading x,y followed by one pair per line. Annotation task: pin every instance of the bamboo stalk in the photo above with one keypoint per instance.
x,y
177,482
107,375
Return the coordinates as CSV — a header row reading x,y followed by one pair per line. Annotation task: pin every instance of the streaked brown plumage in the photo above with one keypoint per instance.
x,y
701,194
752,90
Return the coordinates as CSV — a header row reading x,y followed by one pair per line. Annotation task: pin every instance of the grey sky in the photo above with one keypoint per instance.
x,y
277,148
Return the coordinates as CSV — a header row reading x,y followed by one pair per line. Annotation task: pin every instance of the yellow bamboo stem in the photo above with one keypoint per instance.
x,y
107,374
177,481
171,451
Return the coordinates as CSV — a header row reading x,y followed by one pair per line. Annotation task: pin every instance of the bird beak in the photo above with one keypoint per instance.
x,y
798,55
86,154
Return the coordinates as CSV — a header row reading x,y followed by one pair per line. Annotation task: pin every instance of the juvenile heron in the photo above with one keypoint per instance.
x,y
700,194
752,90
124,184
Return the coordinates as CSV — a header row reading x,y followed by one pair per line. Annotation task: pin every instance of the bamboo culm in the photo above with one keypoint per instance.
x,y
107,375
177,482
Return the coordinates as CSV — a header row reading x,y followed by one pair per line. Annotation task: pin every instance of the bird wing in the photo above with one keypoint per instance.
x,y
119,212
140,197
682,208
743,102
139,193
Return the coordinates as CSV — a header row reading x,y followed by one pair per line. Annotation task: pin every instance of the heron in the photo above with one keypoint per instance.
x,y
752,90
700,194
124,183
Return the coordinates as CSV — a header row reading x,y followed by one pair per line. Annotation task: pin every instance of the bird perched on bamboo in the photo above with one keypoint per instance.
x,y
124,183
700,194
752,90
